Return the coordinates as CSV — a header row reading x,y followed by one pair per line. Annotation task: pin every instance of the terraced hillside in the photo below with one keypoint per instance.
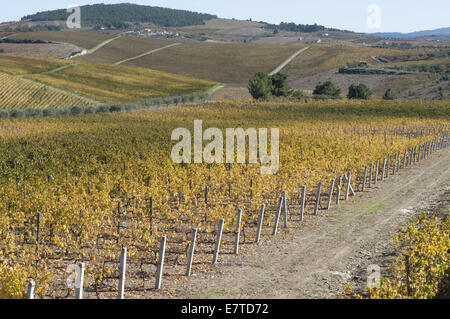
x,y
112,83
31,82
22,93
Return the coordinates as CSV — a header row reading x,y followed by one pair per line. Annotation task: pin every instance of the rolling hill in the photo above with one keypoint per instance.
x,y
119,15
426,33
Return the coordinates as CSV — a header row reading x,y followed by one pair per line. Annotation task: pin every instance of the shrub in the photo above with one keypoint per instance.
x,y
48,112
297,94
260,86
279,84
115,108
16,113
75,110
327,89
389,95
360,91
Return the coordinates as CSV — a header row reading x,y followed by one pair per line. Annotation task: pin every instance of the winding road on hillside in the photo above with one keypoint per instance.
x,y
289,60
147,53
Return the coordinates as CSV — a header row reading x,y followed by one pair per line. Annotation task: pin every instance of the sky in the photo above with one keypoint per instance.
x,y
382,16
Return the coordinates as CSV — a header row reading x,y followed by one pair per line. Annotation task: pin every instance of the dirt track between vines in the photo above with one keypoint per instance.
x,y
313,259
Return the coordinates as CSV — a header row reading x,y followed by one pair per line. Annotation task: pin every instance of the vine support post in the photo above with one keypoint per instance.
x,y
388,165
364,179
218,240
277,216
349,186
80,282
302,204
122,272
260,223
30,289
159,270
191,251
319,190
376,172
330,194
238,231
285,211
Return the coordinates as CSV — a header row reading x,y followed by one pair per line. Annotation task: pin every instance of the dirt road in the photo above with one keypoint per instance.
x,y
319,255
292,57
146,53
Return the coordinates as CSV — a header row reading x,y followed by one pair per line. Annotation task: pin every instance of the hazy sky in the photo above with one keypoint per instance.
x,y
396,15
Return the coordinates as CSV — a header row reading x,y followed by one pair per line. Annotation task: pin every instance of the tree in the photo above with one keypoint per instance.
x,y
389,95
260,86
279,84
360,91
327,89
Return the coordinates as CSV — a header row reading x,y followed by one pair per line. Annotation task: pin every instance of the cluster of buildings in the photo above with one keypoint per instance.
x,y
153,33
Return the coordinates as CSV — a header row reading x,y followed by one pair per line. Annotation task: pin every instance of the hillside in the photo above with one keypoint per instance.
x,y
119,15
426,33
41,83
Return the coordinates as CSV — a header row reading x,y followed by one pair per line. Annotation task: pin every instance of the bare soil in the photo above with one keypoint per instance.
x,y
47,50
313,259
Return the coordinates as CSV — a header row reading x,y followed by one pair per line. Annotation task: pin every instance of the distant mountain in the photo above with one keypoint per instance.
x,y
427,33
119,15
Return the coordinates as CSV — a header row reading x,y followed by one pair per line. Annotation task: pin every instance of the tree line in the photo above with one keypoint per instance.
x,y
119,15
262,86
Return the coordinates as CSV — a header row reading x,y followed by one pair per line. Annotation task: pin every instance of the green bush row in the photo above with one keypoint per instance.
x,y
104,108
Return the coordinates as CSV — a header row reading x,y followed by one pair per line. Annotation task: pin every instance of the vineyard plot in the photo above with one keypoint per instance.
x,y
80,189
21,93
